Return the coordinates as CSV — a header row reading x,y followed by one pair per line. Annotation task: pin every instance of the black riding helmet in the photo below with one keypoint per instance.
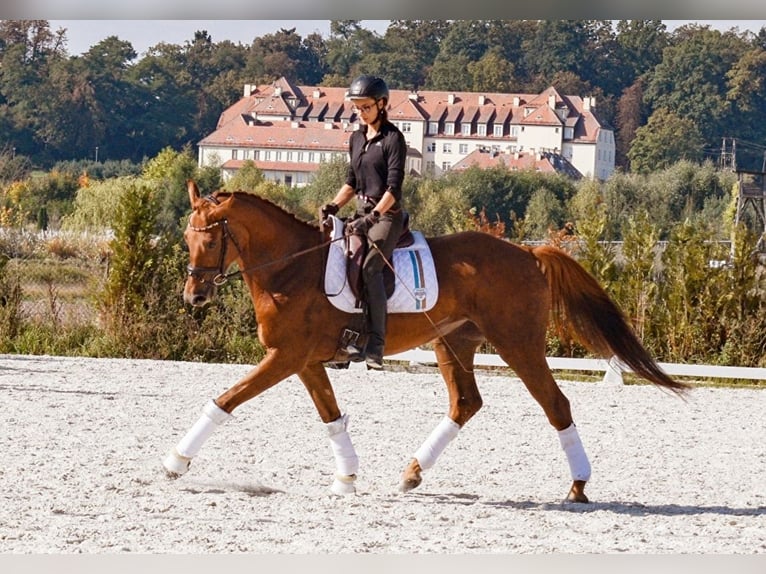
x,y
368,87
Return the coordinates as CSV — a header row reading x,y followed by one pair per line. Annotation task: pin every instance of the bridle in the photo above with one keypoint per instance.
x,y
220,277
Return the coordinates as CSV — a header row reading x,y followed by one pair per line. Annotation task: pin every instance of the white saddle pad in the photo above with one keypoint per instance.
x,y
415,290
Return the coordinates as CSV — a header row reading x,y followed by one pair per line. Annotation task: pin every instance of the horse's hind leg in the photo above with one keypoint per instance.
x,y
533,370
454,353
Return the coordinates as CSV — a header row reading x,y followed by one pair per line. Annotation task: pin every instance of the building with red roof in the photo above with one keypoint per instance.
x,y
289,130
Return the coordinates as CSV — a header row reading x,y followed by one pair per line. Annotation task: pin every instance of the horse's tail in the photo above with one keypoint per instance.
x,y
584,310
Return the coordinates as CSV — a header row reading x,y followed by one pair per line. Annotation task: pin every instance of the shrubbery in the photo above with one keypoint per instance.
x,y
690,296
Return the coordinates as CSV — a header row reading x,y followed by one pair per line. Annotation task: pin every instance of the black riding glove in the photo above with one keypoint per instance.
x,y
362,224
329,209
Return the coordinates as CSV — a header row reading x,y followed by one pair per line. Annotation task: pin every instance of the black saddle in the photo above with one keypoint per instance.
x,y
356,251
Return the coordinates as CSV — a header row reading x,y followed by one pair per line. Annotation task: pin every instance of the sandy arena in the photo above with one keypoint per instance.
x,y
80,467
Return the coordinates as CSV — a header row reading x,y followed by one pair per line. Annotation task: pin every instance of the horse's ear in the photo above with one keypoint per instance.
x,y
193,190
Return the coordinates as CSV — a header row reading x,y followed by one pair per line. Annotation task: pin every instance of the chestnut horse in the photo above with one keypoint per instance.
x,y
489,290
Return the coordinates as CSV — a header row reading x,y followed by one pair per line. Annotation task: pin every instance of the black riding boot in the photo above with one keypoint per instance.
x,y
376,321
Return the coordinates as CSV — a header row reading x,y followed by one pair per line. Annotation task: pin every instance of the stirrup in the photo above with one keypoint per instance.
x,y
374,362
355,354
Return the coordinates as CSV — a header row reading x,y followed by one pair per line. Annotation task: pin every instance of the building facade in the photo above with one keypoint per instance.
x,y
288,131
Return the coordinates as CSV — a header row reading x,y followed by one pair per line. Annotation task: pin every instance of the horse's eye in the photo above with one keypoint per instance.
x,y
211,244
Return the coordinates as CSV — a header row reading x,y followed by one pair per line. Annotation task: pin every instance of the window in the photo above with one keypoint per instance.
x,y
234,154
312,157
433,127
498,130
256,154
430,166
446,147
289,180
463,149
300,157
449,128
446,165
466,129
482,129
431,147
406,127
267,155
289,156
246,154
279,155
322,157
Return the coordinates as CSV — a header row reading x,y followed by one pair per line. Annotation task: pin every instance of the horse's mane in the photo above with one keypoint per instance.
x,y
260,201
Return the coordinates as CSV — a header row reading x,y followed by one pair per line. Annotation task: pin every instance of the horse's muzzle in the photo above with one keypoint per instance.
x,y
198,293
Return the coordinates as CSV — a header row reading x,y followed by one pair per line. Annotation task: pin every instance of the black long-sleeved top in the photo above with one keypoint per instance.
x,y
377,165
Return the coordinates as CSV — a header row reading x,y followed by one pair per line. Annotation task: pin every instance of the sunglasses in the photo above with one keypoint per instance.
x,y
365,109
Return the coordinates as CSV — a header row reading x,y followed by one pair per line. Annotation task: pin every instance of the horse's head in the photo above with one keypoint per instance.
x,y
210,252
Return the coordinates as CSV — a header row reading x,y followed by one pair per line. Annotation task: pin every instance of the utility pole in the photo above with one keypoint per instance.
x,y
729,154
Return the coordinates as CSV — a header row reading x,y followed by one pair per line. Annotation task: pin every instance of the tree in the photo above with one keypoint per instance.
x,y
492,73
283,54
631,115
465,43
747,91
544,212
641,43
691,80
28,50
665,139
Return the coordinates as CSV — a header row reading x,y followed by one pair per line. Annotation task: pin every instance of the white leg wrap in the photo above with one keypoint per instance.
x,y
346,461
579,465
437,441
212,416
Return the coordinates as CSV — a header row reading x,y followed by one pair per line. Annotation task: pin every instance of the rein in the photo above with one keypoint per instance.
x,y
221,276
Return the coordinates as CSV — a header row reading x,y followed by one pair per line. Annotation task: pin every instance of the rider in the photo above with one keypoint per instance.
x,y
376,171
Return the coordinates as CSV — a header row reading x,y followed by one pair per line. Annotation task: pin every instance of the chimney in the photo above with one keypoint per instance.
x,y
552,101
450,99
317,94
277,90
516,101
589,102
481,99
249,88
413,96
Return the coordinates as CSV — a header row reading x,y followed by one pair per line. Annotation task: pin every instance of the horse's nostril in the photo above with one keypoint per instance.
x,y
198,300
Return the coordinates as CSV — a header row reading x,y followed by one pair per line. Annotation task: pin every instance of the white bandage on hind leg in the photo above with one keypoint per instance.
x,y
346,461
579,465
212,416
437,441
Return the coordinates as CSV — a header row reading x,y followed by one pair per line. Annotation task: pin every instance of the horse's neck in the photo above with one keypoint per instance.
x,y
275,238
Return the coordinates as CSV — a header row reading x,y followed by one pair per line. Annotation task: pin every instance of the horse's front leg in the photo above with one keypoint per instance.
x,y
274,367
317,383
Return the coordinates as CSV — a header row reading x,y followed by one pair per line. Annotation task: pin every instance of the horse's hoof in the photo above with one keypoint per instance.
x,y
577,492
343,485
175,465
411,477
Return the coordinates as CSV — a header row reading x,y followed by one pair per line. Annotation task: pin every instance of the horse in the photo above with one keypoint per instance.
x,y
490,290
